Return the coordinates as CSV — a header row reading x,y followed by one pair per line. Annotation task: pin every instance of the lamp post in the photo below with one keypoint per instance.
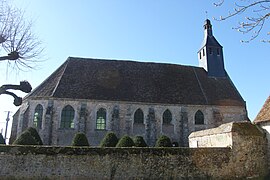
x,y
7,124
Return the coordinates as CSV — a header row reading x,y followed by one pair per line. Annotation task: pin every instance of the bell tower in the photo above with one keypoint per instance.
x,y
211,54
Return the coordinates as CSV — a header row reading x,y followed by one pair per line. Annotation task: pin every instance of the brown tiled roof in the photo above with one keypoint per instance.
x,y
117,80
264,114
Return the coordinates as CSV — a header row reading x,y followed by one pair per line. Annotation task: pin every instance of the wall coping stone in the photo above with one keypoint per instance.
x,y
72,150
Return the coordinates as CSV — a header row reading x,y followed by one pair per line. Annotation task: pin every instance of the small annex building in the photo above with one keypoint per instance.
x,y
95,96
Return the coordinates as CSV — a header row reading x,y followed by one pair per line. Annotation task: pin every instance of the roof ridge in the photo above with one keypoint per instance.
x,y
129,60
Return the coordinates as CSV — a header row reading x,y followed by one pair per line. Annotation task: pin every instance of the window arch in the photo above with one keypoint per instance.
x,y
199,117
138,116
37,121
101,119
167,117
67,117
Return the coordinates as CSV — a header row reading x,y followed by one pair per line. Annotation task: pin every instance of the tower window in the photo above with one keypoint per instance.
x,y
200,55
203,52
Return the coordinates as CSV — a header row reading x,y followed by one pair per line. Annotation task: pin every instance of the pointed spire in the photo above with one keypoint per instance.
x,y
207,28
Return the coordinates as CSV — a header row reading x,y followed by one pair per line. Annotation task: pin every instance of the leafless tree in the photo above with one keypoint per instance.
x,y
257,14
19,45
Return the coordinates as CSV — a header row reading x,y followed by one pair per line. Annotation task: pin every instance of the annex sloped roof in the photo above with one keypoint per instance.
x,y
264,114
118,80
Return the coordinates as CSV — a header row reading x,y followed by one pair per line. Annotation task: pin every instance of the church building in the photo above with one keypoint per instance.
x,y
132,98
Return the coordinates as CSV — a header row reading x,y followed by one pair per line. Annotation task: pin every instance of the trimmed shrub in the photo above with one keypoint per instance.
x,y
164,141
80,139
110,140
125,141
2,140
139,142
35,135
25,139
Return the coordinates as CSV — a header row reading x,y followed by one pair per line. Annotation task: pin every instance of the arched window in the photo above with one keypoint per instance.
x,y
138,116
67,117
38,116
167,117
101,119
199,117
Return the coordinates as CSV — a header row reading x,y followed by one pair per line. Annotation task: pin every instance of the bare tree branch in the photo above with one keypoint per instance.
x,y
257,12
18,46
22,47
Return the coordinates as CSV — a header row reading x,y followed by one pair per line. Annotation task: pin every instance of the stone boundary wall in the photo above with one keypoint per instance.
x,y
44,162
266,127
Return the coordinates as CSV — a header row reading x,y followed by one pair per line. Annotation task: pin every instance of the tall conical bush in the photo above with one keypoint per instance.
x,y
35,135
110,140
2,140
80,139
164,141
25,139
125,141
139,141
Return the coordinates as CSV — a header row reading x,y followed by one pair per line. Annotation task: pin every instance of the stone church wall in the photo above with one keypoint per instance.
x,y
122,122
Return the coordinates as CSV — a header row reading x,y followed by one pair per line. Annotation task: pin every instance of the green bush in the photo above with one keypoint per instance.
x,y
139,141
80,139
125,141
163,141
35,135
110,140
2,140
25,139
